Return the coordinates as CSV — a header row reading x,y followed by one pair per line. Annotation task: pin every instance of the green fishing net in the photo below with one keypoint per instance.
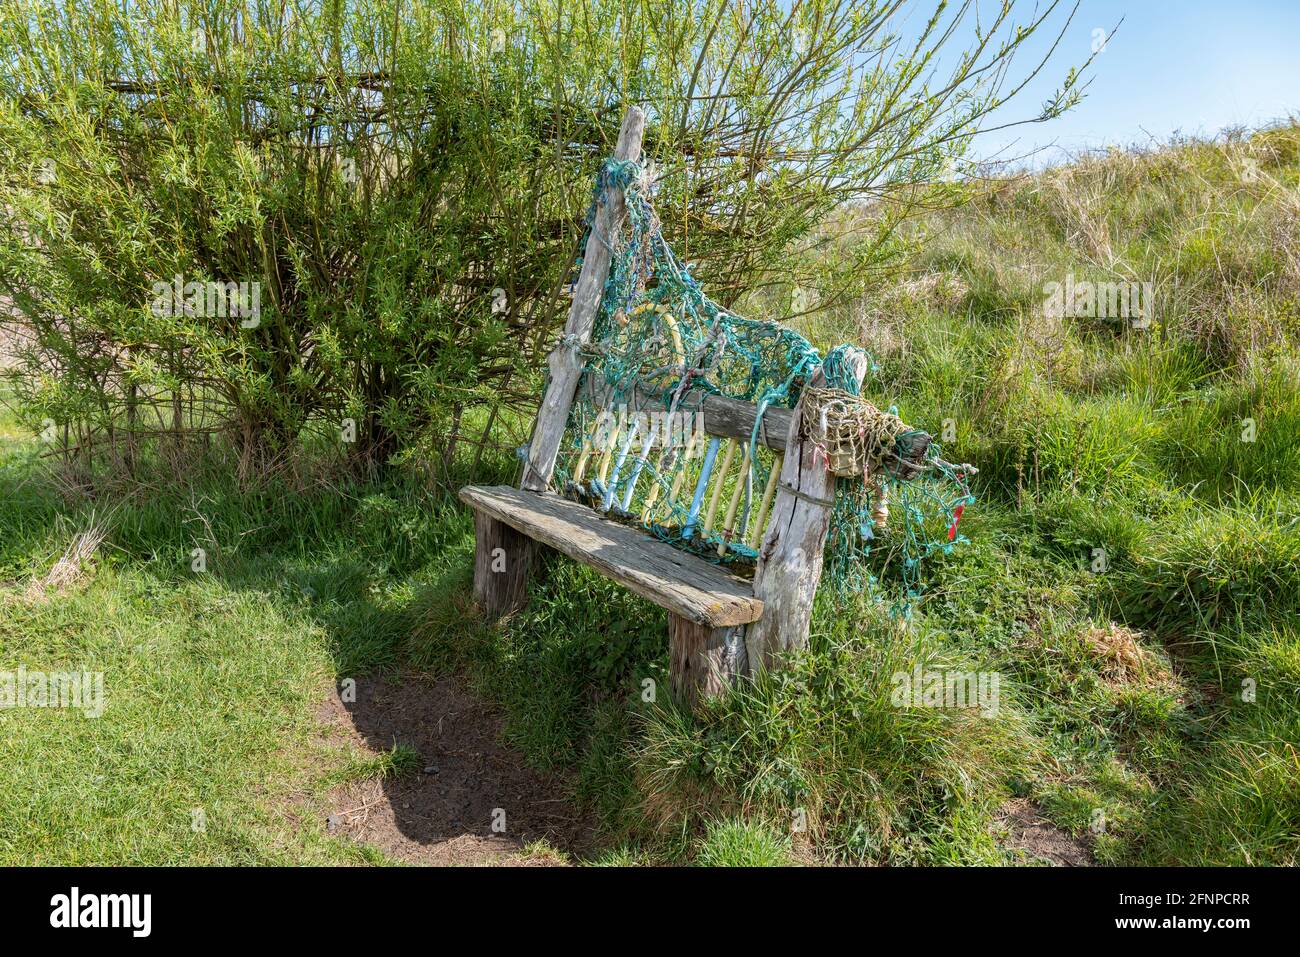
x,y
635,448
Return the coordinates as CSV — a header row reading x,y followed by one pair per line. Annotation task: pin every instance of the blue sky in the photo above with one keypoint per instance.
x,y
1194,66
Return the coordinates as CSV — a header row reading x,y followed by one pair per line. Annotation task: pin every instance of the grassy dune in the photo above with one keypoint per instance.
x,y
1149,701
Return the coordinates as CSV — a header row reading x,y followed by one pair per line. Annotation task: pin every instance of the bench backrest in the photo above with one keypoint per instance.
x,y
681,419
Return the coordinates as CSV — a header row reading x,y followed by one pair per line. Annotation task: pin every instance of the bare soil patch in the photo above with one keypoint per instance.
x,y
443,813
1030,834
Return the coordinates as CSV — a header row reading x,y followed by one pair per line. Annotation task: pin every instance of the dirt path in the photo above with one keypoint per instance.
x,y
444,813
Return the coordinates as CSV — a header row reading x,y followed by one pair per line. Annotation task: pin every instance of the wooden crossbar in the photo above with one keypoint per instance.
x,y
727,418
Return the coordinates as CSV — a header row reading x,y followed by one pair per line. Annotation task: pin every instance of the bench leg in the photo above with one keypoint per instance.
x,y
503,559
703,662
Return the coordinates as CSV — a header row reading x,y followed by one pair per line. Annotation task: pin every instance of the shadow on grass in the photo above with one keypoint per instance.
x,y
403,642
382,573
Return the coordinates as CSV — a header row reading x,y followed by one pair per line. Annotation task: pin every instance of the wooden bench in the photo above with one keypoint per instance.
x,y
720,626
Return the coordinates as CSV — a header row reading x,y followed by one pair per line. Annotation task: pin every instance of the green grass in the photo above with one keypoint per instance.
x,y
1093,440
401,760
211,679
741,843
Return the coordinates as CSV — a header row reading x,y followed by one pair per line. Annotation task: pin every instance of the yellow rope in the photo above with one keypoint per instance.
x,y
720,479
768,492
729,523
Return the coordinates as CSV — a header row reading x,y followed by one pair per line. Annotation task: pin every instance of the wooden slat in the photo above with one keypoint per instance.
x,y
684,584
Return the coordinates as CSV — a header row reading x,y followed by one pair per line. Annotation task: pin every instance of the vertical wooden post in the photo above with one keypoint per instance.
x,y
790,559
502,560
564,362
702,661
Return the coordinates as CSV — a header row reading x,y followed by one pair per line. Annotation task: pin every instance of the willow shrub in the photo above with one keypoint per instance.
x,y
359,217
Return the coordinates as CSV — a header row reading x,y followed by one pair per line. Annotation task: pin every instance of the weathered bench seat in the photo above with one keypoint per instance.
x,y
684,584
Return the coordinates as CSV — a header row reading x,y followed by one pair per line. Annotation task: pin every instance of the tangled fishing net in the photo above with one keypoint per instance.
x,y
635,447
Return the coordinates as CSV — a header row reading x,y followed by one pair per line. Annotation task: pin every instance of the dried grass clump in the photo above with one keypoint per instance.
x,y
74,564
1231,324
880,315
1076,198
1122,658
880,330
940,291
1281,227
